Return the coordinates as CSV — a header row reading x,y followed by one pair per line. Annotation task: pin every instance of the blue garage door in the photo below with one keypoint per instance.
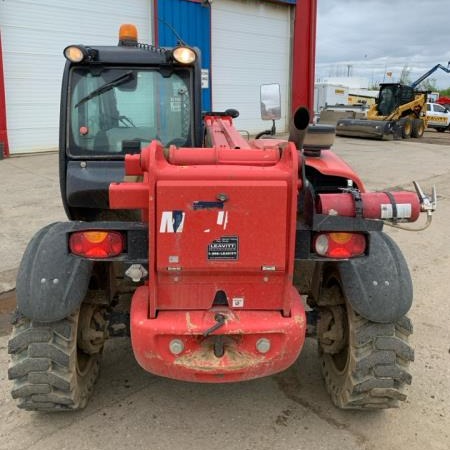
x,y
190,21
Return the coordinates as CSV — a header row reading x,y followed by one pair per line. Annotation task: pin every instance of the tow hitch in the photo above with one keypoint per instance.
x,y
219,348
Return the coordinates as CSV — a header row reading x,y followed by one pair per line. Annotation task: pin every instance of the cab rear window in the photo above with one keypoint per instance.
x,y
121,110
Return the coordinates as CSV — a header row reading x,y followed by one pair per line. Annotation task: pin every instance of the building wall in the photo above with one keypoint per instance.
x,y
34,34
245,44
171,26
251,43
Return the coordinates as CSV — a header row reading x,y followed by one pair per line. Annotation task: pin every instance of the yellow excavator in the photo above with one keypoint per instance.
x,y
399,112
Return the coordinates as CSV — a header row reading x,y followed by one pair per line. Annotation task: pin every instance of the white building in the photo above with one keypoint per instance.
x,y
244,43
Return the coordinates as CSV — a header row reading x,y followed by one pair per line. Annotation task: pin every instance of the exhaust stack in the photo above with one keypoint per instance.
x,y
299,126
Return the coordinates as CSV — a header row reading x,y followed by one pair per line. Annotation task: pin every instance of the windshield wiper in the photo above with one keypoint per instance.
x,y
106,87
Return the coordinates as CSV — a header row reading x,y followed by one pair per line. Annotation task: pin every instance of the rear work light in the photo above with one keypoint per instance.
x,y
96,244
75,53
79,53
184,55
340,245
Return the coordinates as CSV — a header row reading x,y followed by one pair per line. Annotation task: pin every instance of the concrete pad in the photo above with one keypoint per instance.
x,y
30,199
383,164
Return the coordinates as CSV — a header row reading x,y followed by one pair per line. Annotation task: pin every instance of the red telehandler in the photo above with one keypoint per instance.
x,y
200,244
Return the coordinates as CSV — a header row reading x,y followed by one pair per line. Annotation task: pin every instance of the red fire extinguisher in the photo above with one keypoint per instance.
x,y
401,205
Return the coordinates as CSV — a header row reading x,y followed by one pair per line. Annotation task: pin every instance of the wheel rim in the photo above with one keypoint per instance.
x,y
407,127
92,331
84,362
341,358
333,328
91,336
333,335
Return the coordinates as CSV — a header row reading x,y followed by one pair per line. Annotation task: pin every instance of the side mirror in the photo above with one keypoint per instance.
x,y
270,102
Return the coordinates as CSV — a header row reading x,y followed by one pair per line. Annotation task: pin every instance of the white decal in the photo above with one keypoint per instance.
x,y
205,78
238,302
172,222
222,219
403,211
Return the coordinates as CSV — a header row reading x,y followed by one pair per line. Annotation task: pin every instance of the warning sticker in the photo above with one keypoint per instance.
x,y
224,248
403,211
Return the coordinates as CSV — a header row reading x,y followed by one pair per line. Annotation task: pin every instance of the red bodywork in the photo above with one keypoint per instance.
x,y
222,230
222,223
304,55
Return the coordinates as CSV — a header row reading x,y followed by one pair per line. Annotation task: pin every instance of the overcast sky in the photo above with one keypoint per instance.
x,y
371,37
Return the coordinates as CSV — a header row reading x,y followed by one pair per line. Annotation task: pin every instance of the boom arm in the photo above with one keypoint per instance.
x,y
427,74
221,133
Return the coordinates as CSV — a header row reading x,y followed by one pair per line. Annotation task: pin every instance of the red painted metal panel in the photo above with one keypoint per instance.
x,y
3,123
330,164
128,195
181,291
268,156
187,219
241,331
255,213
304,55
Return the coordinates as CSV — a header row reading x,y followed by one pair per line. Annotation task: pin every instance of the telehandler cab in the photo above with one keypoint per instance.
x,y
200,244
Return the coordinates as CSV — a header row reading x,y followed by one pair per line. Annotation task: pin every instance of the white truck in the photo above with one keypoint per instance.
x,y
438,117
326,94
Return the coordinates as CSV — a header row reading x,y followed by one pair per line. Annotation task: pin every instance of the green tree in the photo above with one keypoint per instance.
x,y
428,85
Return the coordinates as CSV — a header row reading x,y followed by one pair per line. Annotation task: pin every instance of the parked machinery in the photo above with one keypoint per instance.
x,y
399,112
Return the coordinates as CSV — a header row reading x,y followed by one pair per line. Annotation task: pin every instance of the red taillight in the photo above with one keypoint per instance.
x,y
96,244
340,245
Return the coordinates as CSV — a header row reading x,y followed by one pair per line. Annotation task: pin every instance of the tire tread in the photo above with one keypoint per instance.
x,y
380,365
43,366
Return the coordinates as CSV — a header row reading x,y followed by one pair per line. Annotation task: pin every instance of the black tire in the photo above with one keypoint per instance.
x,y
440,129
52,368
406,128
368,366
418,128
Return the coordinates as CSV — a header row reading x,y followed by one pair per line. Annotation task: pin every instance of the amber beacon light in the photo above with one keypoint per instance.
x,y
128,33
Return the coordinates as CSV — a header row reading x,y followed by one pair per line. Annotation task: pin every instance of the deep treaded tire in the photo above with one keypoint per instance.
x,y
418,128
406,124
50,372
371,369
